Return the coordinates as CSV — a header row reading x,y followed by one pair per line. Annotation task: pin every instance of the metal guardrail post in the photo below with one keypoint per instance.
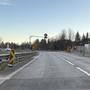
x,y
0,60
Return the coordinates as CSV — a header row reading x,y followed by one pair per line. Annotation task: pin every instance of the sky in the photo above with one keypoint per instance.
x,y
21,18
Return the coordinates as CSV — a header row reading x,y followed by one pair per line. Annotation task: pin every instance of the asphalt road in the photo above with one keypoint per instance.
x,y
51,71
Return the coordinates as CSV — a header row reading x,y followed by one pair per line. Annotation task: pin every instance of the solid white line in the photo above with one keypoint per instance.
x,y
2,80
88,74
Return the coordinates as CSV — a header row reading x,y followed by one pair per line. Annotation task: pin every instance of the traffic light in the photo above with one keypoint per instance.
x,y
45,35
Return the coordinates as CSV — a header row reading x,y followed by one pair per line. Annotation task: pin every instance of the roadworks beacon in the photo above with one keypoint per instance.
x,y
11,58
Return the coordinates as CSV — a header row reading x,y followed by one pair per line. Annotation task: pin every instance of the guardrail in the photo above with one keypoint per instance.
x,y
4,57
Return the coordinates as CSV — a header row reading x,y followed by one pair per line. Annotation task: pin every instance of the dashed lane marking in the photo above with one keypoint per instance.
x,y
80,69
85,72
69,62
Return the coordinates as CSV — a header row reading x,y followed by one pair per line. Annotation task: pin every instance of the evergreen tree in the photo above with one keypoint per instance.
x,y
77,38
83,39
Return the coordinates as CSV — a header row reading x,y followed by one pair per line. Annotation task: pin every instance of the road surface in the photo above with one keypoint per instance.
x,y
51,71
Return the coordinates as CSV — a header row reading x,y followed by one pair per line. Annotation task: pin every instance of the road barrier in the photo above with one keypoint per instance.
x,y
4,57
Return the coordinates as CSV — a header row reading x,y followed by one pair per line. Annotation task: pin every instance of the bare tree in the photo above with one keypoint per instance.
x,y
70,34
0,40
63,35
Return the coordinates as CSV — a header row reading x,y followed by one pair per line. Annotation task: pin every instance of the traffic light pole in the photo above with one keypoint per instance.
x,y
30,37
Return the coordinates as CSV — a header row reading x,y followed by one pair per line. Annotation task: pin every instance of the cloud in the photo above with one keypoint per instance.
x,y
5,2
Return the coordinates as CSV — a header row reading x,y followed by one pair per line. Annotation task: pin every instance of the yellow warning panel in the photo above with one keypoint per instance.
x,y
11,57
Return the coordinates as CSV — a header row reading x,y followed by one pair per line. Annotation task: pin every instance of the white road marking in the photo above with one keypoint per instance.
x,y
3,79
66,60
69,62
85,72
88,74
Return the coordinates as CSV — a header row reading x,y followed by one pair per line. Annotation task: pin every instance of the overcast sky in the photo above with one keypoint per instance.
x,y
21,18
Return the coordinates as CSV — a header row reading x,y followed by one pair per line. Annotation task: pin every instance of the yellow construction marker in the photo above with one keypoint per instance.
x,y
11,57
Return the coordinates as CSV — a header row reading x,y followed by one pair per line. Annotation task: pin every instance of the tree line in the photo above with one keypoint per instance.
x,y
63,41
24,45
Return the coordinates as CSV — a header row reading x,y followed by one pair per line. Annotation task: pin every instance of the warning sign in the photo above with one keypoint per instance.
x,y
11,57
